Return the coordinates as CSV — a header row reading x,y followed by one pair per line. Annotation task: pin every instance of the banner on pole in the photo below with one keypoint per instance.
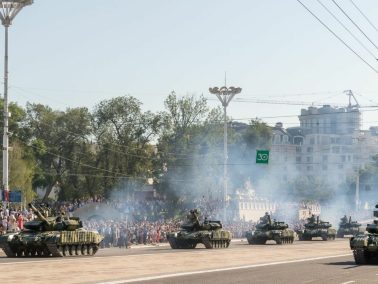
x,y
11,196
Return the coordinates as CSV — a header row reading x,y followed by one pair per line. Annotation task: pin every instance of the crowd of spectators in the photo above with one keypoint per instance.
x,y
13,218
139,222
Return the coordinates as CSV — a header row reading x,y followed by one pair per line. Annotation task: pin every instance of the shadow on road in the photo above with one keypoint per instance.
x,y
350,264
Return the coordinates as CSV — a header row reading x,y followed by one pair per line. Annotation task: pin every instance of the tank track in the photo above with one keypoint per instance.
x,y
362,256
278,240
52,250
208,243
72,250
175,244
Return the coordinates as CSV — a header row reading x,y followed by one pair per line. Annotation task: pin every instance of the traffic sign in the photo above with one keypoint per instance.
x,y
262,156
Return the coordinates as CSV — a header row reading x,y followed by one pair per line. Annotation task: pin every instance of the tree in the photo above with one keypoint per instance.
x,y
123,134
190,166
57,139
21,161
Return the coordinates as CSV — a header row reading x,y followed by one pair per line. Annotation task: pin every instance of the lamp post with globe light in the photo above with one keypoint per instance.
x,y
225,95
8,11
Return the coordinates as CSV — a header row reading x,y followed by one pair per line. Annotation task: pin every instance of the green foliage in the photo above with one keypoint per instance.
x,y
190,166
21,171
310,188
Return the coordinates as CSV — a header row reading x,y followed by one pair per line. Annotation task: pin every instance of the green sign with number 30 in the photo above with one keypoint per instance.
x,y
262,156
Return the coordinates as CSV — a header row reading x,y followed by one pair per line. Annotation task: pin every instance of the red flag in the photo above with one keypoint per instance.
x,y
6,195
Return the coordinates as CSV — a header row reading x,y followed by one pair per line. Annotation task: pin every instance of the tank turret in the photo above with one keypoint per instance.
x,y
53,223
365,244
373,228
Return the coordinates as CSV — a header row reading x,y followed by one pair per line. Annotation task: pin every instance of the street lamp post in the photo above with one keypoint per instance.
x,y
225,95
8,11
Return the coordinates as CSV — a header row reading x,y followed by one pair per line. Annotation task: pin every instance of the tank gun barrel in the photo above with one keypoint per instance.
x,y
38,213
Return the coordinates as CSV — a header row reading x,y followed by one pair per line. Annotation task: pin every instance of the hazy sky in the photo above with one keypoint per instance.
x,y
78,52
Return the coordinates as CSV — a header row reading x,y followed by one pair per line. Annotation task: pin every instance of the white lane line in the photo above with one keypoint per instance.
x,y
220,270
349,282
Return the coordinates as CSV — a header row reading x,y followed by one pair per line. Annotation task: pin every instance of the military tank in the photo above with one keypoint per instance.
x,y
348,227
365,245
316,228
192,232
267,230
50,236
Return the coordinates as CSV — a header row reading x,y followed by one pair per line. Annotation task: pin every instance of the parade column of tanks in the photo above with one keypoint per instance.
x,y
316,228
365,245
191,233
267,230
51,236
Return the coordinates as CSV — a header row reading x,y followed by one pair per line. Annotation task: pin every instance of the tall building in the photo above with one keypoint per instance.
x,y
329,143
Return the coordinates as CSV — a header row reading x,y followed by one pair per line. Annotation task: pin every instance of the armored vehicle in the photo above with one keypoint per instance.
x,y
365,245
267,230
50,236
316,228
192,232
348,227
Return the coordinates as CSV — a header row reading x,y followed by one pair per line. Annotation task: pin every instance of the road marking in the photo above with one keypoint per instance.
x,y
220,270
349,282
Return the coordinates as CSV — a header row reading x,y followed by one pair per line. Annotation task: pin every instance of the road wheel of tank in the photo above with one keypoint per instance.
x,y
206,242
95,248
70,250
27,252
33,252
64,250
77,249
278,241
46,252
19,253
83,249
39,252
89,250
360,256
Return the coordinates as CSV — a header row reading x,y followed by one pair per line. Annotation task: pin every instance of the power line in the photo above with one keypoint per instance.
x,y
348,30
342,10
367,19
340,39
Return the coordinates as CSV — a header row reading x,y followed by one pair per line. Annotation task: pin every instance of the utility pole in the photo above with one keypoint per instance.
x,y
225,95
8,11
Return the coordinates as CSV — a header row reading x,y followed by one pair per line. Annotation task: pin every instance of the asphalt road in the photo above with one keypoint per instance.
x,y
301,262
341,270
